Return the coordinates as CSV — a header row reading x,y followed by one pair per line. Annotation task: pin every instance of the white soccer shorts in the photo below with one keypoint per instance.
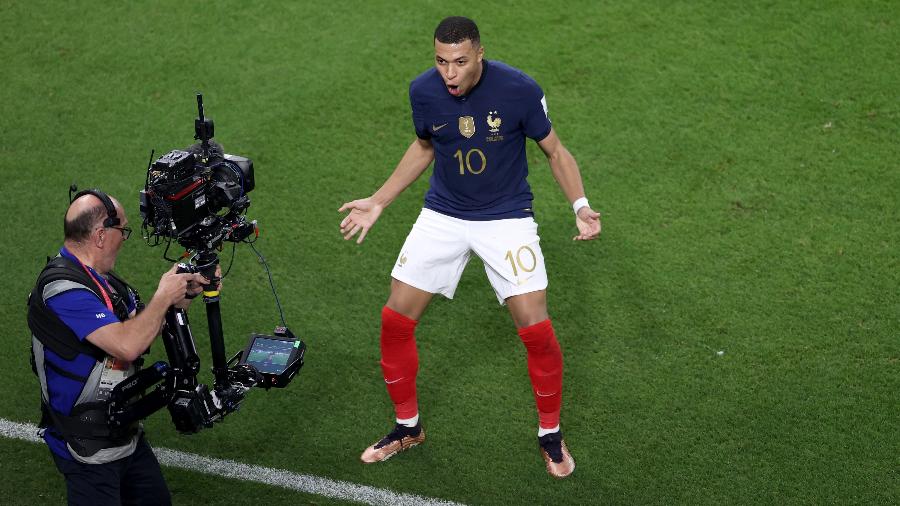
x,y
438,248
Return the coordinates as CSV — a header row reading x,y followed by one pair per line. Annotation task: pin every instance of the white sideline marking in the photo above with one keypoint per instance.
x,y
310,484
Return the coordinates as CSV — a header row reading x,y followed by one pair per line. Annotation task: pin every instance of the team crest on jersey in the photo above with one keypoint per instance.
x,y
494,121
467,126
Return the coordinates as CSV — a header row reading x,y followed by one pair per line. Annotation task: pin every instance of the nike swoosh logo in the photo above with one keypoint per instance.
x,y
545,395
435,128
392,382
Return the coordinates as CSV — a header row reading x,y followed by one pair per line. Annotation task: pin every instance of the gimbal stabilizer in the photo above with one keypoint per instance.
x,y
267,361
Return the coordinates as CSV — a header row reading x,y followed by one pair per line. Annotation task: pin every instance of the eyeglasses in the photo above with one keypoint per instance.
x,y
126,232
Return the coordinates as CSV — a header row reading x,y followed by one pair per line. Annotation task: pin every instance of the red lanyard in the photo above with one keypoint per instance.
x,y
99,285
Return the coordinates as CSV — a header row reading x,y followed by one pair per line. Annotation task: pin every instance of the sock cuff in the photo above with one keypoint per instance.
x,y
543,431
411,421
389,315
537,331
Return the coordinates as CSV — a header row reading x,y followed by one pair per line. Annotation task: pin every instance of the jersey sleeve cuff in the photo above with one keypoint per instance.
x,y
543,136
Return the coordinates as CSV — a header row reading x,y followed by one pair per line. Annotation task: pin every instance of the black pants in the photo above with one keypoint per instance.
x,y
132,480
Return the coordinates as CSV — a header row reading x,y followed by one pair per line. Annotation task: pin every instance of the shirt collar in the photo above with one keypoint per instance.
x,y
68,254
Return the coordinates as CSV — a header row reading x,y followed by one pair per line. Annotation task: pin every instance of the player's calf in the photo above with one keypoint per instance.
x,y
545,368
399,361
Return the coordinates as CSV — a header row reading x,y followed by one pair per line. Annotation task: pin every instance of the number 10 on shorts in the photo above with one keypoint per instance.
x,y
524,258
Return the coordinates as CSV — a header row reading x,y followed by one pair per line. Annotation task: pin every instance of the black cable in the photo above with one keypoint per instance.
x,y
166,252
271,282
231,262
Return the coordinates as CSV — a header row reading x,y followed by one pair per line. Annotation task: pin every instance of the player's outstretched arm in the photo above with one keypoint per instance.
x,y
365,212
565,171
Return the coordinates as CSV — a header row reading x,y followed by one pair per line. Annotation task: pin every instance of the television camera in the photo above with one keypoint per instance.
x,y
198,198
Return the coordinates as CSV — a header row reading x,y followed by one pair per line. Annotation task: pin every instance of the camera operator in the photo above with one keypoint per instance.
x,y
89,331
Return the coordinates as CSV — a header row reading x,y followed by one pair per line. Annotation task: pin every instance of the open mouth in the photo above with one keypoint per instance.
x,y
453,89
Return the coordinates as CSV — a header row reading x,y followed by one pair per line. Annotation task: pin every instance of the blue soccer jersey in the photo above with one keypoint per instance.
x,y
480,167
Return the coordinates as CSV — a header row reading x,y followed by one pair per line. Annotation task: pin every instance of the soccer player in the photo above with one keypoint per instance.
x,y
471,117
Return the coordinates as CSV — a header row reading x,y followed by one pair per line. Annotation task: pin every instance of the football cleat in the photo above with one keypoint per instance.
x,y
559,461
401,438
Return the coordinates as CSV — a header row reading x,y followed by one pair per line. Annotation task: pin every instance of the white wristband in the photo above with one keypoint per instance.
x,y
579,203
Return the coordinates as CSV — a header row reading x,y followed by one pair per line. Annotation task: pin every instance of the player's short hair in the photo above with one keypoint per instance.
x,y
80,227
455,29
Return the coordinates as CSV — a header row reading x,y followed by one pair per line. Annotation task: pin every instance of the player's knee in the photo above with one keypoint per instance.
x,y
528,309
407,300
529,320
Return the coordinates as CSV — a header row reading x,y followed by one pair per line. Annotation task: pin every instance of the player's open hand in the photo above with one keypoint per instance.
x,y
588,222
363,214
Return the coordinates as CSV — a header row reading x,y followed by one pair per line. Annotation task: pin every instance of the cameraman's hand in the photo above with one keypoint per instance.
x,y
195,288
173,287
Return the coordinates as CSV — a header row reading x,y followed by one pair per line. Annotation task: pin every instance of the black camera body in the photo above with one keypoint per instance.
x,y
197,196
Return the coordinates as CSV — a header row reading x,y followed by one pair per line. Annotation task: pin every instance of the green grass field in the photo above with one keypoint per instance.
x,y
744,156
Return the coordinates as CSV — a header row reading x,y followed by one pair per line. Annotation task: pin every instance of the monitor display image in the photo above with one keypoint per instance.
x,y
270,355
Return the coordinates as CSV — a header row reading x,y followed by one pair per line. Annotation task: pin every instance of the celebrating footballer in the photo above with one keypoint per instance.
x,y
471,118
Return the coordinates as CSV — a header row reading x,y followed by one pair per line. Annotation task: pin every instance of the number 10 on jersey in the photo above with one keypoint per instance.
x,y
465,161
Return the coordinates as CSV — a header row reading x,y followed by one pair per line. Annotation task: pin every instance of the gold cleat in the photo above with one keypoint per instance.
x,y
559,461
401,438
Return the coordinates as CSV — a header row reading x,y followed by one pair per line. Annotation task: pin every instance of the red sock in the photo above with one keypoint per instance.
x,y
400,361
545,366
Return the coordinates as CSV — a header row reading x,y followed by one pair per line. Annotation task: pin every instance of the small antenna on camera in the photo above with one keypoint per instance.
x,y
203,128
149,164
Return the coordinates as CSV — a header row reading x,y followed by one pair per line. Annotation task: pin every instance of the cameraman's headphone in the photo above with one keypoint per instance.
x,y
111,219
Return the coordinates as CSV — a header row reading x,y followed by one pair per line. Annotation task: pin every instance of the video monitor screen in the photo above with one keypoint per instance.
x,y
270,355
